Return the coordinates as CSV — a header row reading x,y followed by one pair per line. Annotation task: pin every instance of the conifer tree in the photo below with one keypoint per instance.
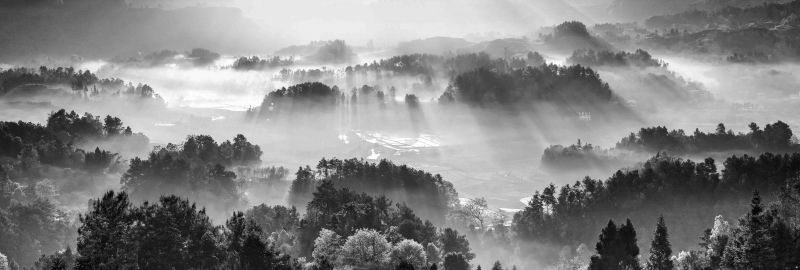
x,y
617,248
749,247
497,266
660,250
630,250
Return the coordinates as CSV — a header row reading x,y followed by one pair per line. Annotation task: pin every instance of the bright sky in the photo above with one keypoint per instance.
x,y
389,21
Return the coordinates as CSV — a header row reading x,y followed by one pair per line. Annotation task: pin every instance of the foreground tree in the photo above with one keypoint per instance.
x,y
326,248
102,241
453,242
660,250
497,266
169,234
246,248
616,249
411,252
455,261
366,248
762,240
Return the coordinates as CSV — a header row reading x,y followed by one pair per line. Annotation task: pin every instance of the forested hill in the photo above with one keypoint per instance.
x,y
678,189
772,15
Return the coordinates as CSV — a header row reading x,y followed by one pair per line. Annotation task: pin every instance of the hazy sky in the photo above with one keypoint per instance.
x,y
388,21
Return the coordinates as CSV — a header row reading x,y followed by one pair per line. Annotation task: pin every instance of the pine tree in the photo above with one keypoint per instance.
x,y
103,235
660,250
750,246
497,266
606,251
617,248
630,250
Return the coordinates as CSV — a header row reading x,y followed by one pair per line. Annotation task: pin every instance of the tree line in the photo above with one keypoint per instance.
x,y
55,143
256,63
777,136
564,85
199,169
677,188
341,228
82,82
424,192
639,58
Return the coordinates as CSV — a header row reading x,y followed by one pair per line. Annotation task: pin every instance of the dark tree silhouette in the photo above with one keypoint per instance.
x,y
660,249
455,261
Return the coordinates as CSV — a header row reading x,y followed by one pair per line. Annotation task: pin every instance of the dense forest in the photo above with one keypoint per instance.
x,y
54,144
765,237
195,169
39,162
428,194
571,86
340,228
675,188
338,223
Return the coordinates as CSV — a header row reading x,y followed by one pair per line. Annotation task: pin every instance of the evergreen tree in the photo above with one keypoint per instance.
x,y
453,242
617,248
497,266
607,253
750,245
660,250
103,236
630,250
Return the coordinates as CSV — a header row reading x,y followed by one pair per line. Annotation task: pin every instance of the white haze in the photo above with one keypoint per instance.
x,y
212,100
386,22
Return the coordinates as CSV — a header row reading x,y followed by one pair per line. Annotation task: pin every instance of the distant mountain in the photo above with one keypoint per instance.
x,y
573,35
434,45
767,16
504,48
101,29
497,48
321,52
642,9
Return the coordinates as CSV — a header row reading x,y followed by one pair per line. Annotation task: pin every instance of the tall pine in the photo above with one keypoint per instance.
x,y
660,249
630,249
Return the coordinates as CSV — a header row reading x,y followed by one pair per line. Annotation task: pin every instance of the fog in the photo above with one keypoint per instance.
x,y
499,98
472,146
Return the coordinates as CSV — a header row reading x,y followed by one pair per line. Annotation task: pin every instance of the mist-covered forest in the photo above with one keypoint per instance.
x,y
392,134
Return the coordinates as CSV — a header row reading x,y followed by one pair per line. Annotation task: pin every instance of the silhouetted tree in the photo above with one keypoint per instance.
x,y
660,249
455,261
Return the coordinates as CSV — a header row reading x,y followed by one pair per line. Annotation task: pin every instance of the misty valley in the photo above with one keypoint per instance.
x,y
395,134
